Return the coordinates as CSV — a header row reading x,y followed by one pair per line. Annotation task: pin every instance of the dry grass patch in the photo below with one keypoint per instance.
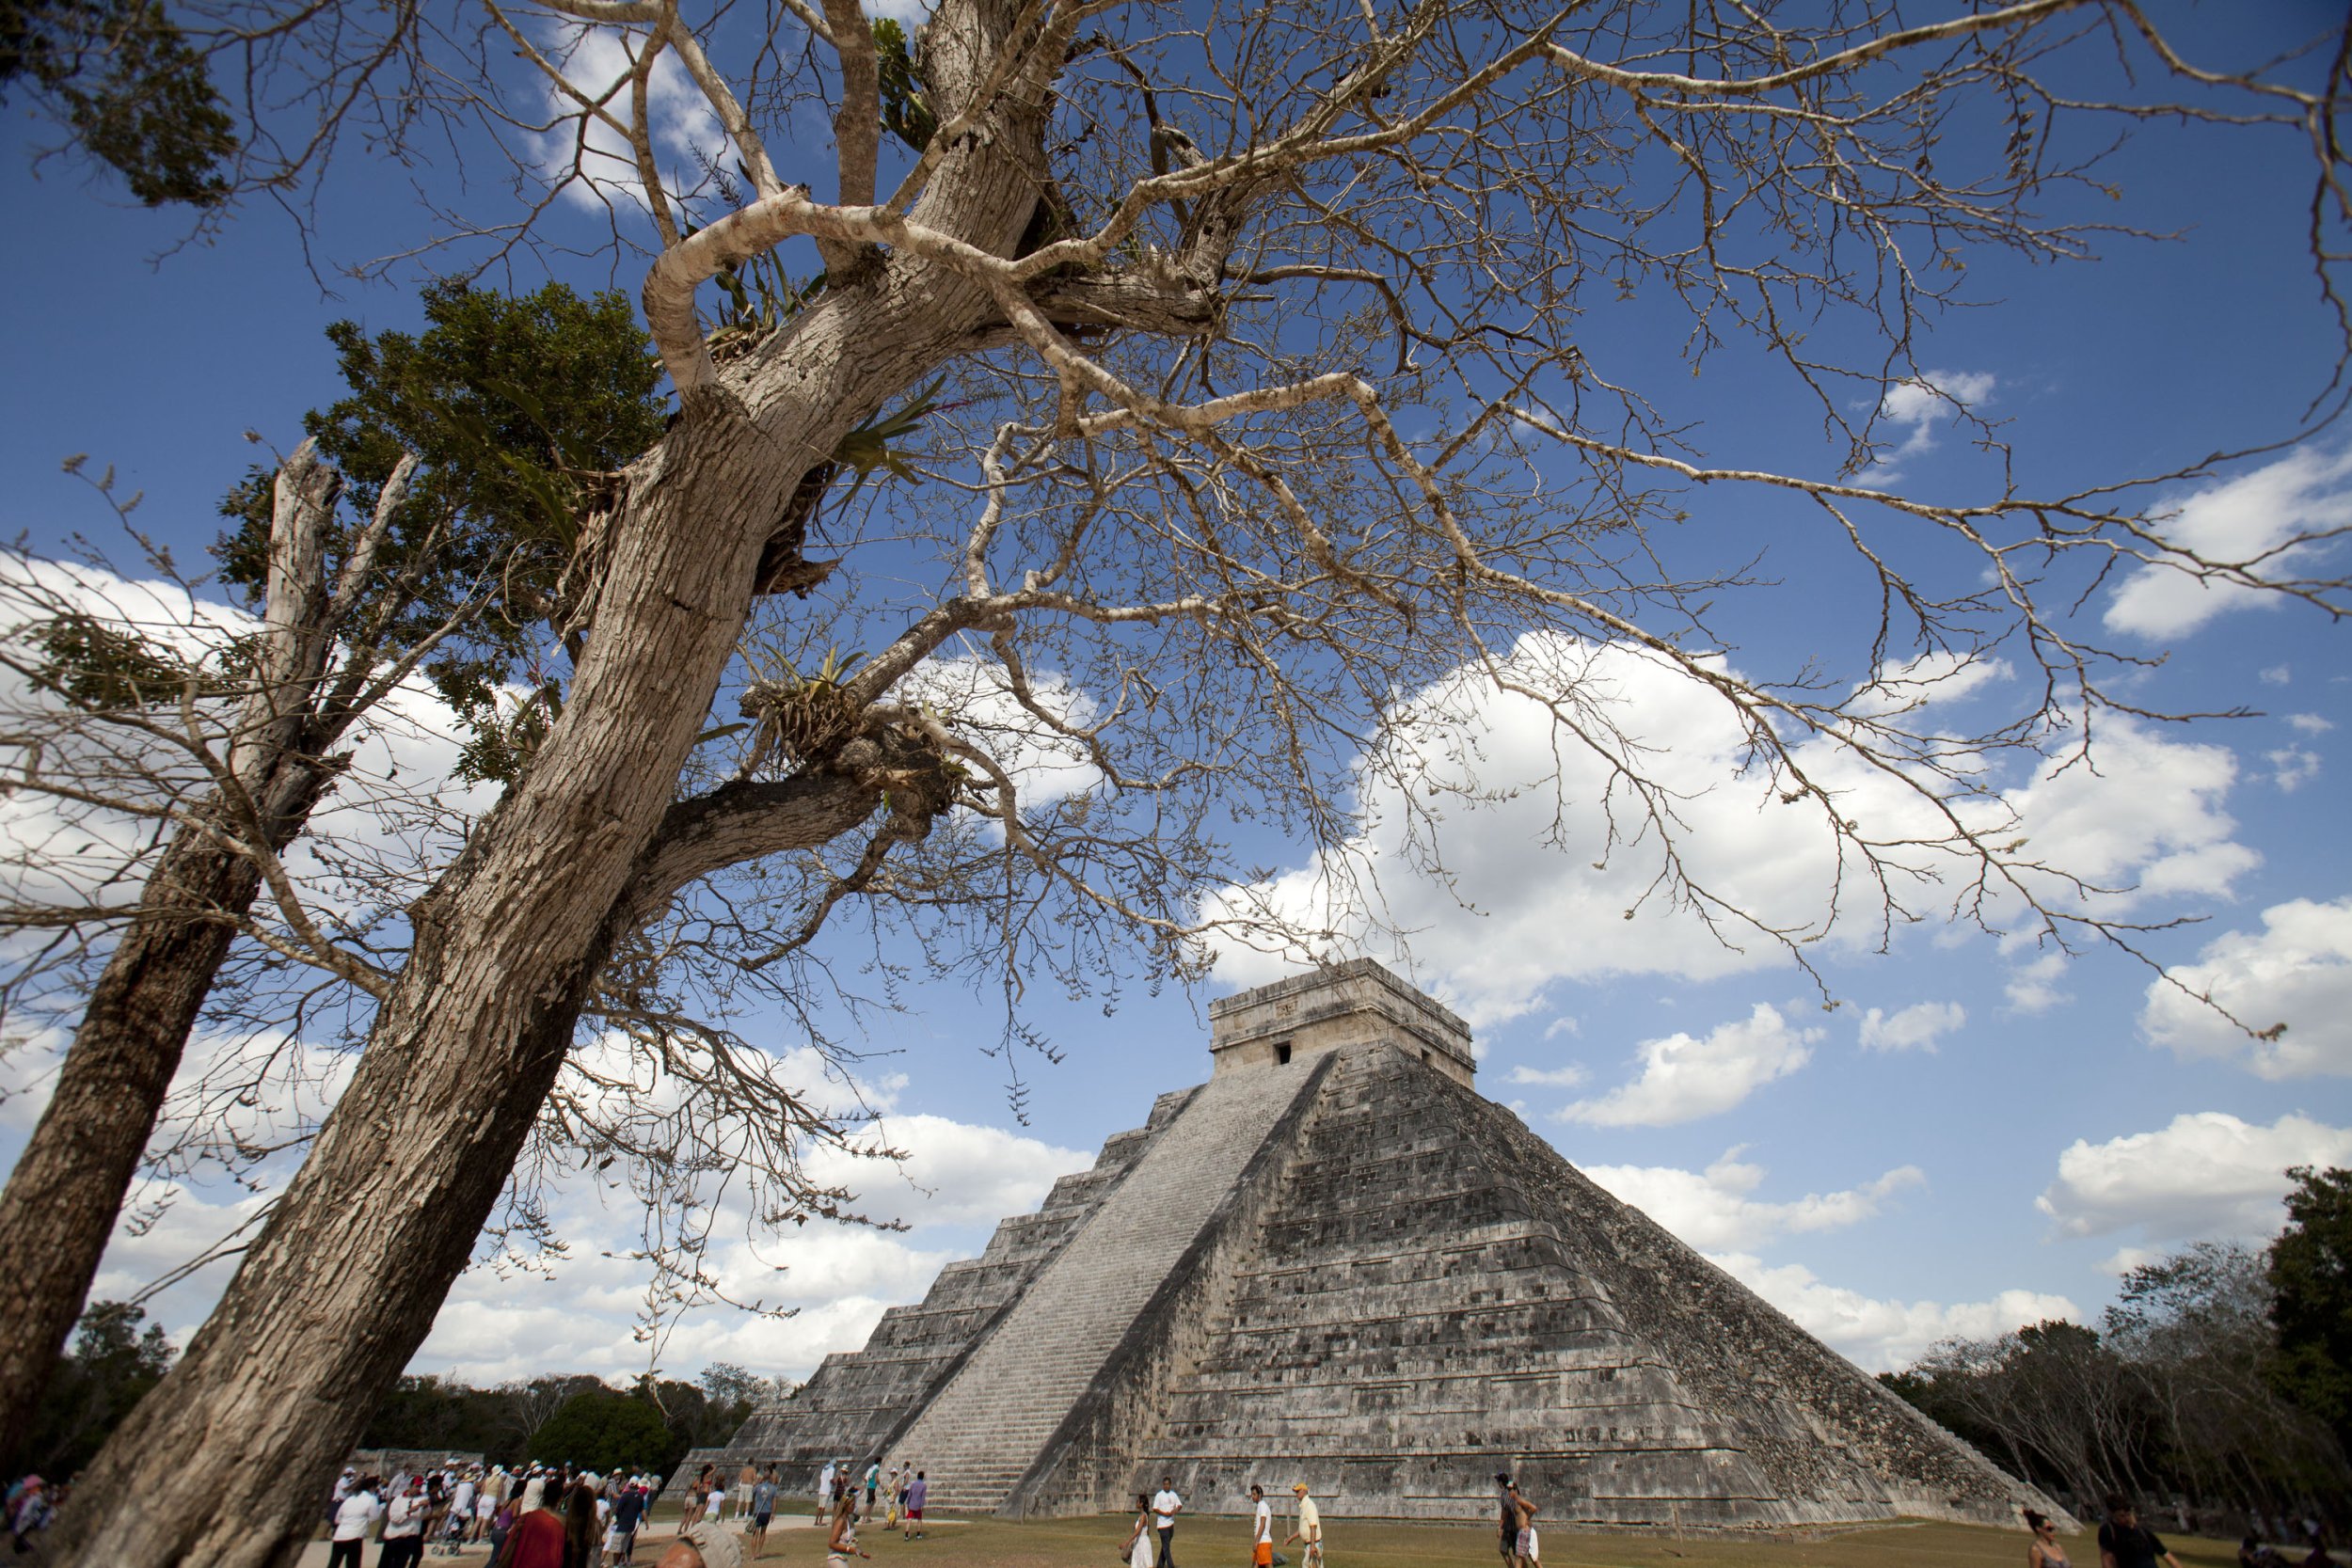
x,y
1223,1543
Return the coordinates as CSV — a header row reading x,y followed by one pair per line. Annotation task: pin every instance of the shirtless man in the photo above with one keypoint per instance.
x,y
1527,1545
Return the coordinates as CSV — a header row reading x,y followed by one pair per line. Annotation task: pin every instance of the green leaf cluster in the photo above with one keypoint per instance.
x,y
604,1430
507,402
2310,1278
134,92
906,111
868,447
519,409
113,1362
101,668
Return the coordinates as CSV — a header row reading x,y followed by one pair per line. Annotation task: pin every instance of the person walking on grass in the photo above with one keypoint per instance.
x,y
2044,1552
1506,1522
1261,1528
714,1509
2124,1543
1310,1528
824,1492
1166,1505
761,1500
1527,1548
918,1491
1140,1543
873,1483
620,1536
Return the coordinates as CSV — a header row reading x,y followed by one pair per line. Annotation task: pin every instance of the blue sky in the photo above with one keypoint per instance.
x,y
1980,1134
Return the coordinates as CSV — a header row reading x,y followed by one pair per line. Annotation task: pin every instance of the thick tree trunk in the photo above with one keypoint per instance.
x,y
225,1462
58,1209
61,1199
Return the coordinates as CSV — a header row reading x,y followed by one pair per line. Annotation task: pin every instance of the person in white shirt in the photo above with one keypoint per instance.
x,y
825,1490
1166,1505
404,1527
359,1510
1261,1530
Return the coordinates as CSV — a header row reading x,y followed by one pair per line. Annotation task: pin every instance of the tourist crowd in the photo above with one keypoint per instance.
x,y
542,1516
556,1516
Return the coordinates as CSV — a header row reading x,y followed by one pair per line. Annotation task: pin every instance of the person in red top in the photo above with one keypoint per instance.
x,y
537,1539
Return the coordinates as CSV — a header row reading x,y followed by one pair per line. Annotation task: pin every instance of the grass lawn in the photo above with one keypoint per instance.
x,y
1214,1542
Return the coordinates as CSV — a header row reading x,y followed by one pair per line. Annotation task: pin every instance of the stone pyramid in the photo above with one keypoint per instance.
x,y
1336,1261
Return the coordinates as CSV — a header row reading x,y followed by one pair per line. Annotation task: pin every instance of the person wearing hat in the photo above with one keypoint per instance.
x,y
703,1546
487,1502
404,1527
31,1513
1310,1528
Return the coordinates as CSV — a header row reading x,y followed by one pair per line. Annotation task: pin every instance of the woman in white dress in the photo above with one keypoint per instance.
x,y
1139,1553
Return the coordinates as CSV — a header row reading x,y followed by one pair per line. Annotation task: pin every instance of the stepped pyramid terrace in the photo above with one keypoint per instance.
x,y
1336,1261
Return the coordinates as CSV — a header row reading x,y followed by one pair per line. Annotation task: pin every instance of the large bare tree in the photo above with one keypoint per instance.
x,y
191,745
1266,398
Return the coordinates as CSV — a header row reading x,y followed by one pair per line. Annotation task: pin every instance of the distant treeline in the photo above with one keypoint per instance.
x,y
2221,1375
572,1416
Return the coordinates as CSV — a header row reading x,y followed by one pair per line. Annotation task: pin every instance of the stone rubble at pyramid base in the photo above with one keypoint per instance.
x,y
1347,1267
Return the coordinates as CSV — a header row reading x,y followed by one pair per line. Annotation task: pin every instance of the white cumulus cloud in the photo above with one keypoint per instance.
x,y
955,1173
1917,1027
2247,519
1885,1333
2033,986
1920,408
1551,875
1685,1077
2297,971
1718,1207
2206,1174
2291,766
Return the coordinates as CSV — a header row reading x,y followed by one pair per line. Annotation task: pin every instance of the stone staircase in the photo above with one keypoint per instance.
x,y
990,1424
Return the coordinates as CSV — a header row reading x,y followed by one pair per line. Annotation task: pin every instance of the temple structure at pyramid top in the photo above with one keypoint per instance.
x,y
1356,1002
1336,1261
